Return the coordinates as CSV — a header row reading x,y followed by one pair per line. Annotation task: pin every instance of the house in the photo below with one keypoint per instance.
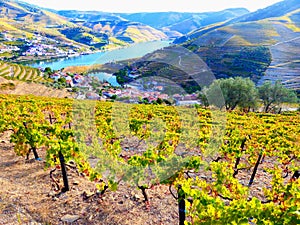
x,y
177,97
134,75
188,102
92,96
108,94
159,88
69,81
55,76
78,79
106,84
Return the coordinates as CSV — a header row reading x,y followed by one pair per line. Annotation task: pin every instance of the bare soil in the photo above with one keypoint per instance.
x,y
27,196
23,88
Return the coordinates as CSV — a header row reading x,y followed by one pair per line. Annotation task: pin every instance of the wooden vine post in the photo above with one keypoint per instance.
x,y
33,148
255,169
62,164
181,205
64,172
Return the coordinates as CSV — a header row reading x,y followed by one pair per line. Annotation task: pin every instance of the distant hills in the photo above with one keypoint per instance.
x,y
19,20
99,29
113,25
183,22
262,45
173,24
29,31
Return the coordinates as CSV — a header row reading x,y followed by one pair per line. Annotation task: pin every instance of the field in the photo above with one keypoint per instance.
x,y
157,165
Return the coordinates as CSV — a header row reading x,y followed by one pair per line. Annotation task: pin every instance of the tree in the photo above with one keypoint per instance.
x,y
273,95
114,97
48,71
159,101
62,80
236,91
204,101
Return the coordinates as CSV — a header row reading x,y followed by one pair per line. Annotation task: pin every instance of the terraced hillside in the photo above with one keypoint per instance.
x,y
131,26
19,19
19,79
275,28
20,72
285,64
126,31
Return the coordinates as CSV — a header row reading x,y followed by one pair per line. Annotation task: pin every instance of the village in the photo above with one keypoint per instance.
x,y
90,87
37,46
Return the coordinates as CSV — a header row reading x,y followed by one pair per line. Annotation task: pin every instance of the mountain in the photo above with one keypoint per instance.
x,y
174,24
22,19
114,25
87,16
27,26
183,22
276,10
263,45
126,31
33,30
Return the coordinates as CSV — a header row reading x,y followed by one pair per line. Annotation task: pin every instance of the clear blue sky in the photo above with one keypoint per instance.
x,y
153,5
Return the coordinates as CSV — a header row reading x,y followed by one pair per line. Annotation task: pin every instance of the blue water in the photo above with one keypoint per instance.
x,y
133,51
106,77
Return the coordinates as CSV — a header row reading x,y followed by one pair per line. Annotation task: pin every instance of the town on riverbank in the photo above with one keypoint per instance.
x,y
91,87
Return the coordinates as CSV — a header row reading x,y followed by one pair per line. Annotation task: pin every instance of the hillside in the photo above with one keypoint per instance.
x,y
183,22
113,25
24,88
119,174
174,24
21,20
20,72
130,32
22,80
275,28
27,30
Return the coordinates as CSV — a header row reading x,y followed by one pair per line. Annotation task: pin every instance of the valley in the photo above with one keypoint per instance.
x,y
142,116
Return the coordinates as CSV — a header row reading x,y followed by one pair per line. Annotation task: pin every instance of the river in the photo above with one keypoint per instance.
x,y
133,51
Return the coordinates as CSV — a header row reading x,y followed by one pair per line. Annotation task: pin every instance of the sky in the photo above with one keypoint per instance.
x,y
152,5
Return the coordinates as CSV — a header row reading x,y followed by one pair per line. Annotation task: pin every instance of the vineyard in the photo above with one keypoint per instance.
x,y
22,80
219,167
20,72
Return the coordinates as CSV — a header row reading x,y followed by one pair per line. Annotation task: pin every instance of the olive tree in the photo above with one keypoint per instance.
x,y
236,91
273,95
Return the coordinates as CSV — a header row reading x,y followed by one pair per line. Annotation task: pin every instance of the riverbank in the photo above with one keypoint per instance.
x,y
110,67
101,57
30,59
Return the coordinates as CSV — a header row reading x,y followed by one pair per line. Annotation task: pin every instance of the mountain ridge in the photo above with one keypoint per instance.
x,y
169,22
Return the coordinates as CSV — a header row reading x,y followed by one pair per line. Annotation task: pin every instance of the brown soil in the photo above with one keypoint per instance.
x,y
23,88
27,196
